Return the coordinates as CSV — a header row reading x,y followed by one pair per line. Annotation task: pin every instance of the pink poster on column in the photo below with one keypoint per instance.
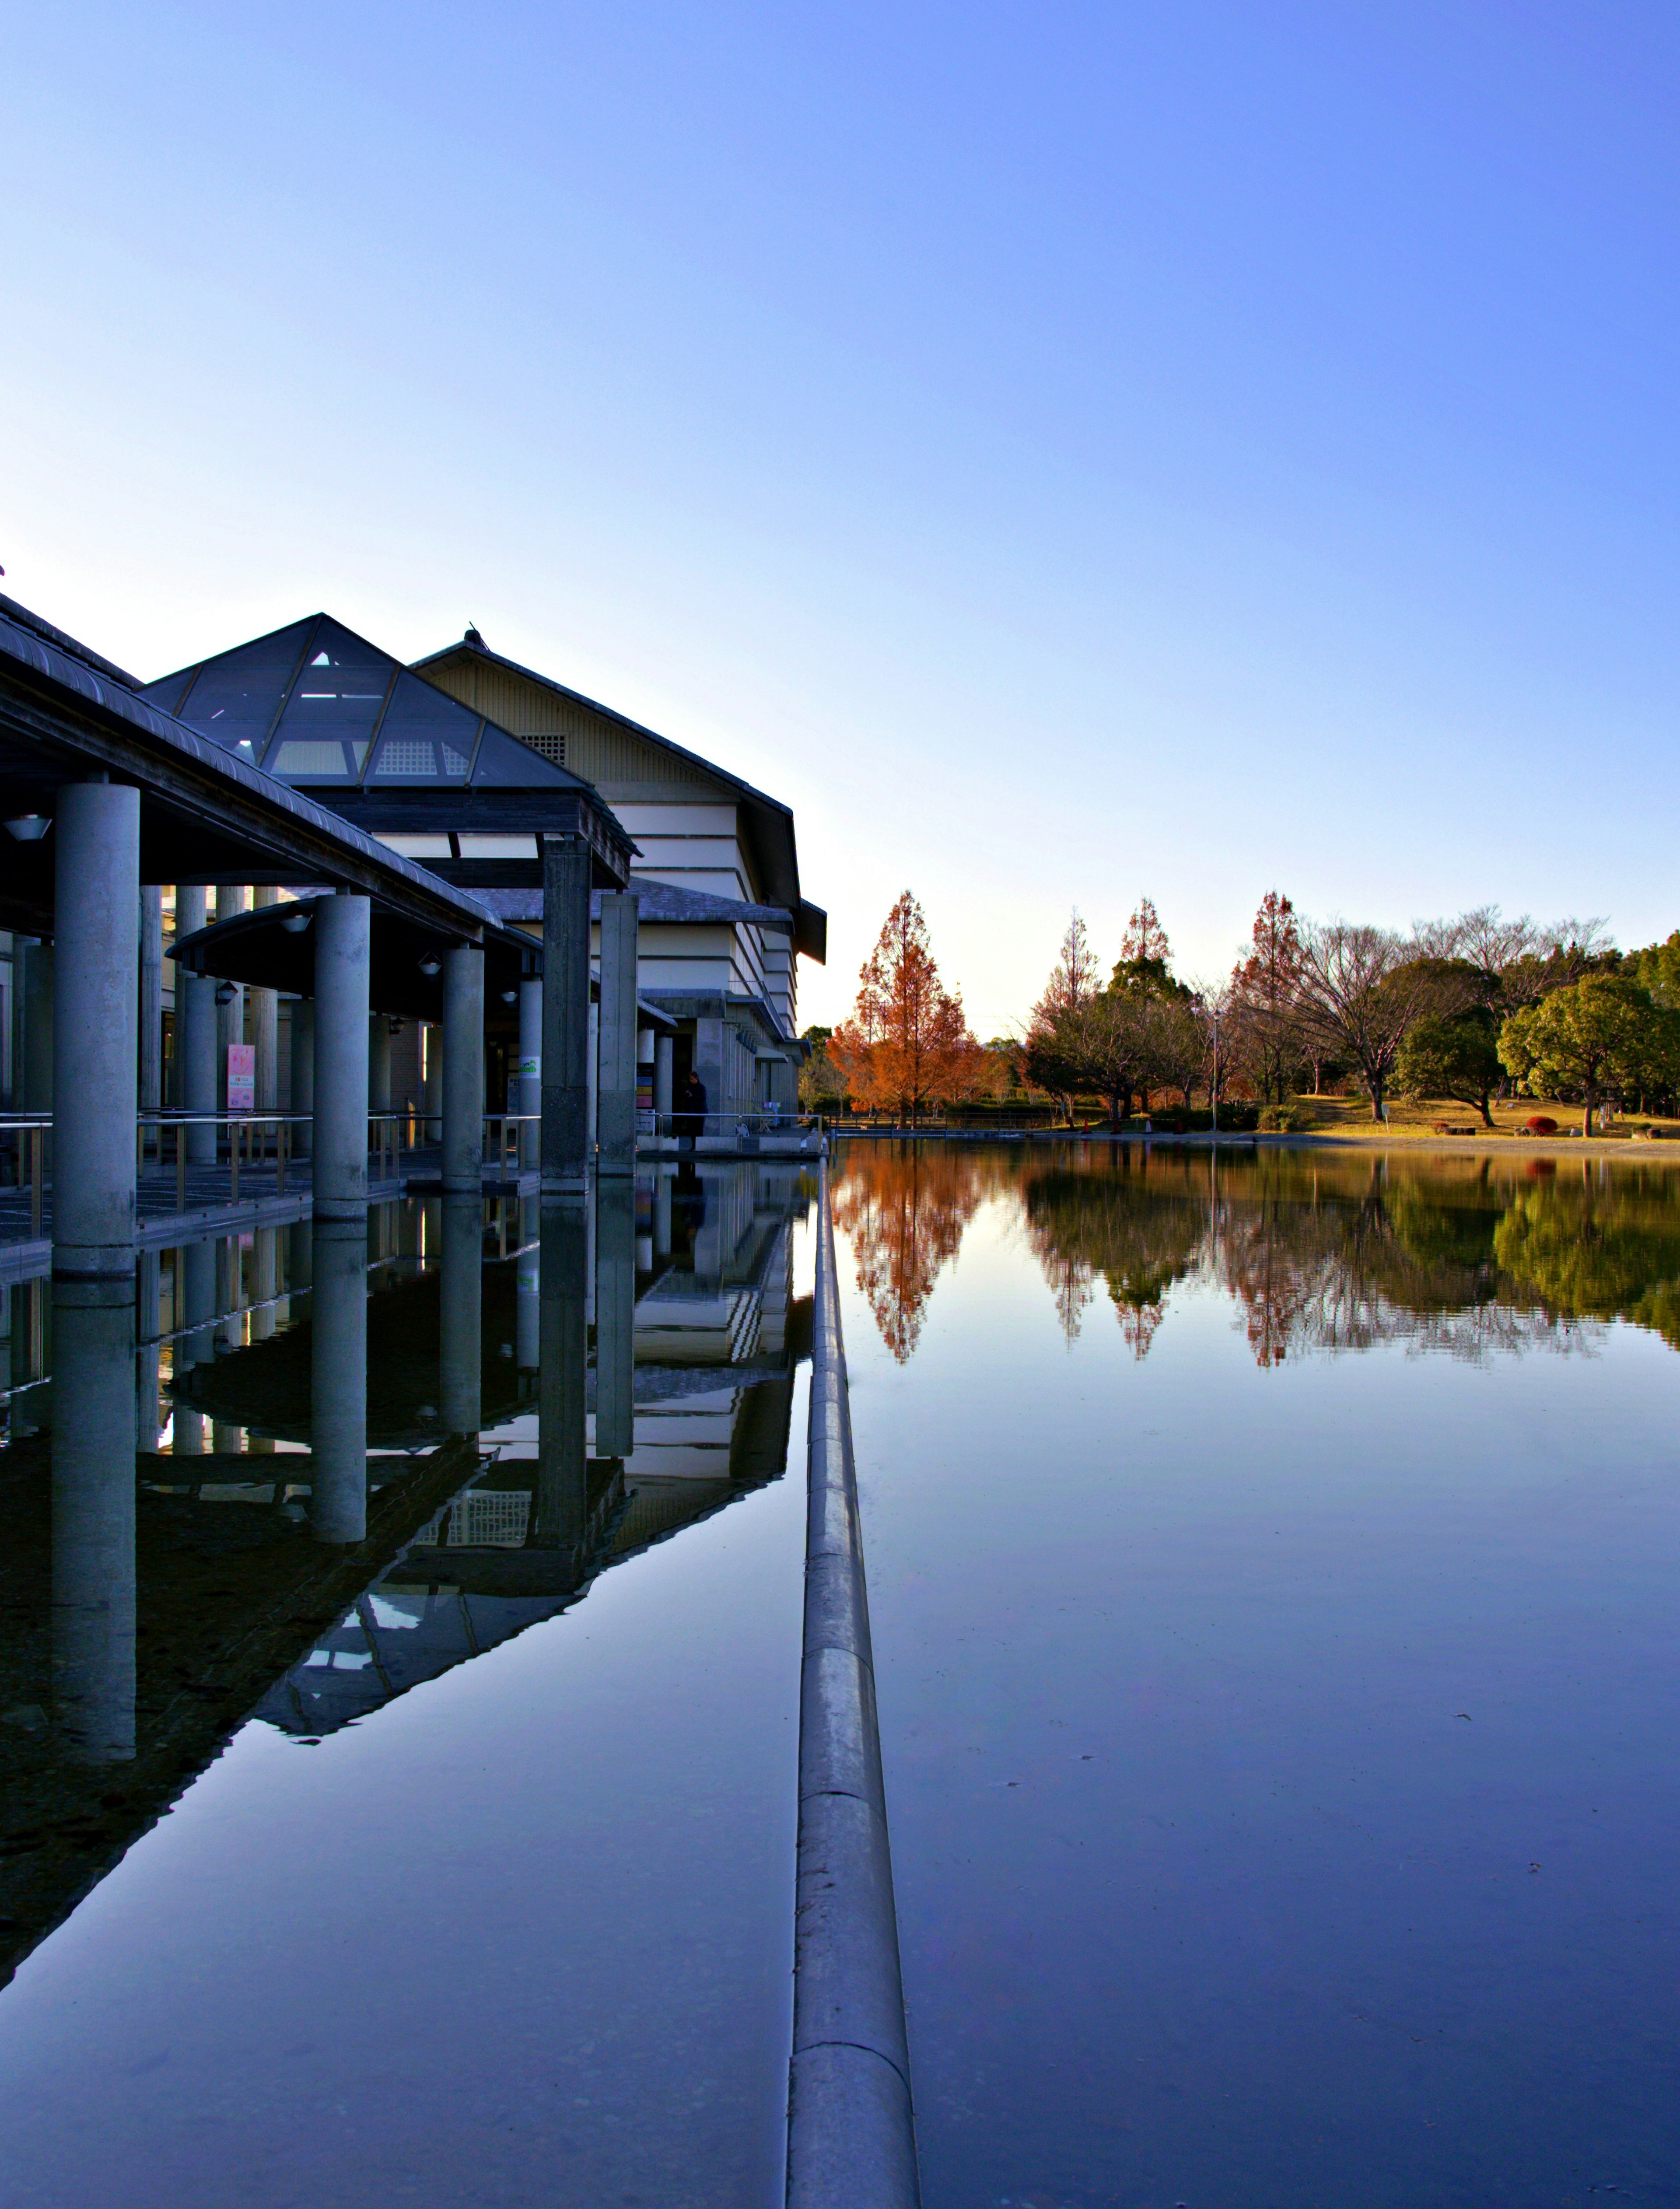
x,y
241,1077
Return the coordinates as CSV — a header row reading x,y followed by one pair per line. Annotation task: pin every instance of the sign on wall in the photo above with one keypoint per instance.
x,y
241,1077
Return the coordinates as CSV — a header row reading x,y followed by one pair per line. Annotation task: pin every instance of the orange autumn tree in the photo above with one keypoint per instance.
x,y
907,1044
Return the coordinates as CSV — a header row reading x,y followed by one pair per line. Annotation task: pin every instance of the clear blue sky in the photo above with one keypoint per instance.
x,y
1066,451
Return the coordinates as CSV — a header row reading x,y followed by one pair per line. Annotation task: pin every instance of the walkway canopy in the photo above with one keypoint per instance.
x,y
206,814
328,713
274,948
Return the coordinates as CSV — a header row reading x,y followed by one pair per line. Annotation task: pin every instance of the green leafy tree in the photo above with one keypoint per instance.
x,y
1601,1036
1455,1055
1657,968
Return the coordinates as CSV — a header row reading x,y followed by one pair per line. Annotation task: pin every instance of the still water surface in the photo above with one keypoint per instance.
x,y
471,1882
1273,1574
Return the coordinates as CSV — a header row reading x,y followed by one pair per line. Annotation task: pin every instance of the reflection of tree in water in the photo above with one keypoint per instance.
x,y
904,1206
1599,1245
1137,1221
1472,1257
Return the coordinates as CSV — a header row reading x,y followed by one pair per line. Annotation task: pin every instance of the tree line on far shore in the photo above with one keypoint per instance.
x,y
1463,1010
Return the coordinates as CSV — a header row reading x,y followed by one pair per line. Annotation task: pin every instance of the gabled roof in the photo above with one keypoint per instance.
x,y
315,704
768,823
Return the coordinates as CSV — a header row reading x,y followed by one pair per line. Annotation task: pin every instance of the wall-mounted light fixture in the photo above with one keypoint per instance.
x,y
510,997
296,922
226,993
29,828
431,966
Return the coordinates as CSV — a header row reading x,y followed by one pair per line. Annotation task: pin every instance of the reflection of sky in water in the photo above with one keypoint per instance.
x,y
1207,1892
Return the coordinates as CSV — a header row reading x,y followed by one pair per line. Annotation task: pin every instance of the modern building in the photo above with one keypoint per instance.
x,y
723,920
462,762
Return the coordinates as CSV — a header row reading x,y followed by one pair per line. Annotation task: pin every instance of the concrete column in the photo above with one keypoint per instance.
x,y
338,1378
195,1029
95,1043
615,1318
379,1064
615,1110
93,1501
265,1024
662,1216
230,898
303,1074
664,1086
712,1040
560,1506
463,1071
565,1073
151,998
528,1069
36,997
408,1078
341,932
432,1061
591,1129
461,1315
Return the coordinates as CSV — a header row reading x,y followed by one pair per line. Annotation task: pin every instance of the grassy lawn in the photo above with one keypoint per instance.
x,y
1347,1119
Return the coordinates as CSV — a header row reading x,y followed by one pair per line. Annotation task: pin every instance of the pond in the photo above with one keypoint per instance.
x,y
1272,1565
449,1861
1272,1569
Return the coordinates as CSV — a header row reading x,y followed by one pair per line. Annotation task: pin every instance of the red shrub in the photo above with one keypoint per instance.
x,y
1541,1125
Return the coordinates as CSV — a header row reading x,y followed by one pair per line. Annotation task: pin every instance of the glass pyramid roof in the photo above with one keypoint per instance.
x,y
315,704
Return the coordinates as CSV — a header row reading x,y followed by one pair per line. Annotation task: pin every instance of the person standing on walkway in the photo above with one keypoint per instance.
x,y
691,1106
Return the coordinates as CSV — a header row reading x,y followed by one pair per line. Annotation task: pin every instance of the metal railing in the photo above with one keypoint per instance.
x,y
757,1121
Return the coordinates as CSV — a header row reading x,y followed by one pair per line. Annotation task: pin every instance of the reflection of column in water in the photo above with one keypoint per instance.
x,y
615,1319
231,1290
265,1282
92,1520
460,1314
196,1287
528,1309
408,1229
148,1267
562,1456
339,1382
299,1257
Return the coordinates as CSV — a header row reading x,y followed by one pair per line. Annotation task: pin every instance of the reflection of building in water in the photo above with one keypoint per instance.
x,y
217,1598
715,1342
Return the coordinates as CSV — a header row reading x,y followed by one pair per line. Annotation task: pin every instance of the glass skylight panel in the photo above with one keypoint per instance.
x,y
234,698
338,697
426,737
316,758
504,763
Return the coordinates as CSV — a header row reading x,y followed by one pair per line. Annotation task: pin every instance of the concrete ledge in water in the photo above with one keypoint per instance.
x,y
850,2126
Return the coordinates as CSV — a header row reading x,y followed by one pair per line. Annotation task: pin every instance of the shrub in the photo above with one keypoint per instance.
x,y
1541,1124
